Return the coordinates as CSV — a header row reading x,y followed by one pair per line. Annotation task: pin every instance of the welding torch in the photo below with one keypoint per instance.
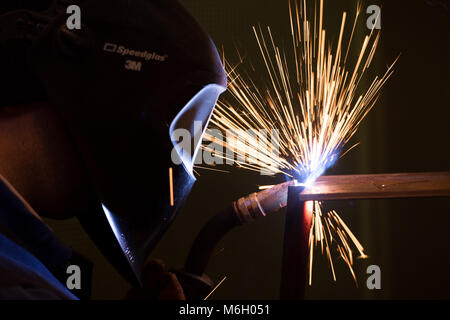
x,y
244,210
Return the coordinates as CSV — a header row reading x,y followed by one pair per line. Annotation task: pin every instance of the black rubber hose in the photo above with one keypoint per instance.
x,y
208,238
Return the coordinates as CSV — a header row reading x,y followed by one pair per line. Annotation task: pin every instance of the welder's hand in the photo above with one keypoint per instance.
x,y
158,284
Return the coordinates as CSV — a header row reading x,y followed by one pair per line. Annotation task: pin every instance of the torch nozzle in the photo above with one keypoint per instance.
x,y
259,204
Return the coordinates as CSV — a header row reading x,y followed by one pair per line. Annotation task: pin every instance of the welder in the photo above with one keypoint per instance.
x,y
84,133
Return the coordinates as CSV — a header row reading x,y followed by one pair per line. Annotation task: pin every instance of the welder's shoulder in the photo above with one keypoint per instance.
x,y
18,282
23,277
23,293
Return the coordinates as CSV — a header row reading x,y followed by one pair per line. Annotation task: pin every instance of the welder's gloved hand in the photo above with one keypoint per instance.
x,y
158,284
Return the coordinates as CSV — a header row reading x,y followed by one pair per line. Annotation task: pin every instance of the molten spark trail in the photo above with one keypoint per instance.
x,y
313,104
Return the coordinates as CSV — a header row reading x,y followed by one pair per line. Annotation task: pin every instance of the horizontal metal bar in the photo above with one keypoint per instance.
x,y
378,186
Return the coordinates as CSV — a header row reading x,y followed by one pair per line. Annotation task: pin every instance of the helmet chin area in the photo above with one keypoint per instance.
x,y
137,234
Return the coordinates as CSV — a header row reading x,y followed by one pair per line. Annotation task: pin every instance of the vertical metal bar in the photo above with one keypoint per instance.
x,y
296,247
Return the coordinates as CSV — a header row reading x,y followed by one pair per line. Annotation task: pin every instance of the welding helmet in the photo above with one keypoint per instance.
x,y
135,73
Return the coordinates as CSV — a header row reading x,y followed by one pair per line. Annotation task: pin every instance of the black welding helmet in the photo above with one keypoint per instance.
x,y
135,74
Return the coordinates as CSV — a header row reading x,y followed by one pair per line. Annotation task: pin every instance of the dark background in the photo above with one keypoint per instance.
x,y
408,131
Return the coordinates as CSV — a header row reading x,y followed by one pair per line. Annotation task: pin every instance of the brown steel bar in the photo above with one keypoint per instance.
x,y
375,186
379,186
295,249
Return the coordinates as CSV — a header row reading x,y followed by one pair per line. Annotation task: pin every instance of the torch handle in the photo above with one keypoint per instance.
x,y
208,238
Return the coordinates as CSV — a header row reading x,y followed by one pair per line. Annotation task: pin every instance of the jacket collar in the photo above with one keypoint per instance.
x,y
20,223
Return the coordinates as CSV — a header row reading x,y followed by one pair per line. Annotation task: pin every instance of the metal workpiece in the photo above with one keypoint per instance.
x,y
379,186
259,204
